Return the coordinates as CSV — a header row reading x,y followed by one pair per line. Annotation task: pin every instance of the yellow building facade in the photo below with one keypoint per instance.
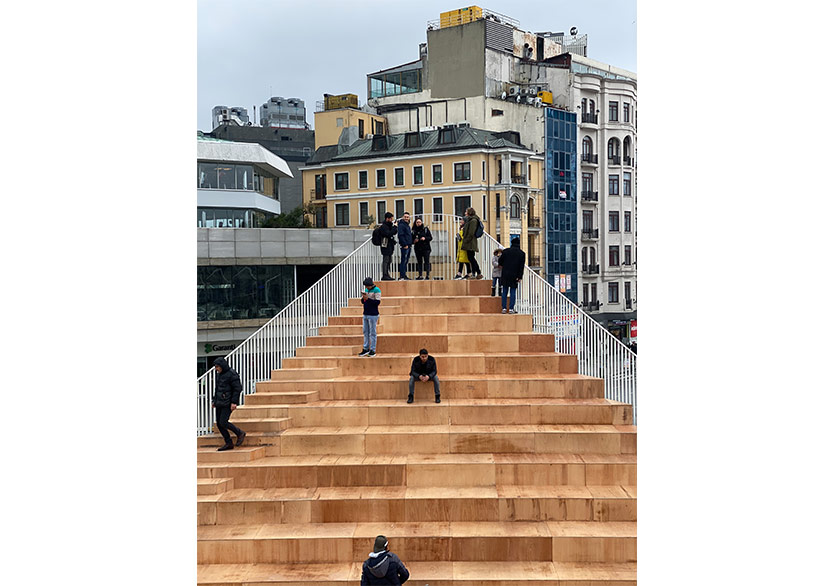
x,y
329,124
352,187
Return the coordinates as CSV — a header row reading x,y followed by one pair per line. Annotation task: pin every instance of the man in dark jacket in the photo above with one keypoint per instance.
x,y
387,233
383,566
470,242
424,369
226,399
404,238
512,262
421,238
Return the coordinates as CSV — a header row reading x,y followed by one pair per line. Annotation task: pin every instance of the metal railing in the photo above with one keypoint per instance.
x,y
587,118
599,353
588,158
588,196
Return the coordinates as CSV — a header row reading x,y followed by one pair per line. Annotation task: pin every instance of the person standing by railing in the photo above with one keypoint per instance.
x,y
388,231
226,399
497,273
470,241
371,299
460,254
512,262
421,237
404,239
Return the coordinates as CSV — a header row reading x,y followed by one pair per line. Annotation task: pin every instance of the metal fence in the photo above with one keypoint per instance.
x,y
600,354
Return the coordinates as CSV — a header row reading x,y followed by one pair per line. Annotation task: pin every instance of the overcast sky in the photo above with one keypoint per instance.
x,y
250,50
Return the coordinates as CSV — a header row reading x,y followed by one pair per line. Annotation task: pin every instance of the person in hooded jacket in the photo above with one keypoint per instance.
x,y
421,236
470,242
226,399
388,232
383,566
404,239
512,261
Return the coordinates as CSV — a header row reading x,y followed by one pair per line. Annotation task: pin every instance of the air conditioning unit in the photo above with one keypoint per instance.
x,y
529,100
537,102
369,136
464,124
513,91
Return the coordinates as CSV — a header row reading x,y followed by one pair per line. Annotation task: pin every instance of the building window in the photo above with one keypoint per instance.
x,y
437,208
363,179
496,112
483,170
342,214
399,207
613,151
418,205
588,183
585,290
462,171
364,219
381,177
613,184
627,254
584,104
417,175
412,139
613,222
341,181
462,202
613,111
614,256
437,174
361,124
446,136
627,184
625,112
399,180
588,221
381,212
378,127
587,147
627,221
340,122
321,186
613,293
627,294
515,208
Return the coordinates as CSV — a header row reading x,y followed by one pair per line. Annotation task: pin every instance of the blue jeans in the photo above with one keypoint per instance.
x,y
512,297
497,287
405,253
369,332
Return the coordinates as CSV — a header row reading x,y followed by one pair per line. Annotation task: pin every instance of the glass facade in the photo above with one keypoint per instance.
x,y
231,218
393,84
214,175
561,200
243,292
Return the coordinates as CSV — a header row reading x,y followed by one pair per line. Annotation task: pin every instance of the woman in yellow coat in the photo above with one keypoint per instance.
x,y
461,255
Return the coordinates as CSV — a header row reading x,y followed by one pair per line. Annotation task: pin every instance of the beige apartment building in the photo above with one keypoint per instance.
x,y
435,171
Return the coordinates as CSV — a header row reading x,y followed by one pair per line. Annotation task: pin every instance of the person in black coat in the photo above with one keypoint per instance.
x,y
404,239
226,399
383,566
388,231
424,369
421,236
512,262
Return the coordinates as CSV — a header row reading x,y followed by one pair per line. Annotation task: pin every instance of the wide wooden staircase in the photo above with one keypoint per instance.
x,y
523,474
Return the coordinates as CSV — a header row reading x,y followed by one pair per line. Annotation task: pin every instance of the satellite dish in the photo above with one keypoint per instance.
x,y
573,30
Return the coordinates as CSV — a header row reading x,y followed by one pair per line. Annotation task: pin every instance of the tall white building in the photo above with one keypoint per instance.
x,y
281,112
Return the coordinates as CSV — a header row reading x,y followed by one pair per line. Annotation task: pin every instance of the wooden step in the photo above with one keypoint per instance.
x,y
214,485
321,351
249,411
420,470
441,343
275,424
355,308
440,304
455,323
241,454
450,288
401,504
431,573
282,395
474,387
423,541
321,372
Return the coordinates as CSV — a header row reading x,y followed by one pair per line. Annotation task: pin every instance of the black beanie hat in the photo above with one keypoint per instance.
x,y
380,543
369,282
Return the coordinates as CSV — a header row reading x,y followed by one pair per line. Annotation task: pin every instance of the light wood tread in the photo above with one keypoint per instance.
x,y
430,459
352,493
211,481
522,376
460,529
429,402
450,429
517,573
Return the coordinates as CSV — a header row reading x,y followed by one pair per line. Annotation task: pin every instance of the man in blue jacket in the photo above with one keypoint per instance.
x,y
383,566
404,239
226,399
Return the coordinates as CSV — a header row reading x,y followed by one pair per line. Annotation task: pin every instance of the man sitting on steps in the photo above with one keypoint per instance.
x,y
424,369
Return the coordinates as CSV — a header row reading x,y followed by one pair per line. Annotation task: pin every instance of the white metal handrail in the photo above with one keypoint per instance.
x,y
600,354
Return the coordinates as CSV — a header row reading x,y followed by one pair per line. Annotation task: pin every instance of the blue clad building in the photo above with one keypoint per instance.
x,y
561,200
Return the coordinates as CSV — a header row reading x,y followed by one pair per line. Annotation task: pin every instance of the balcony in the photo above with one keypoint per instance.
x,y
628,304
591,269
588,196
588,158
534,222
317,194
591,234
535,261
588,118
614,160
590,306
519,179
627,160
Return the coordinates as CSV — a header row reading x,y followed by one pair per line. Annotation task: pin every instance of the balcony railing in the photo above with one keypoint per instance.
x,y
591,234
627,160
588,158
588,118
614,160
534,222
519,179
317,194
590,305
628,304
591,269
588,196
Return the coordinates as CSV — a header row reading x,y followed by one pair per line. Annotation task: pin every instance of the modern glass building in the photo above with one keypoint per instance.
x,y
561,200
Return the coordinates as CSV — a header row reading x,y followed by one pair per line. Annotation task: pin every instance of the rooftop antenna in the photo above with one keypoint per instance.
x,y
573,31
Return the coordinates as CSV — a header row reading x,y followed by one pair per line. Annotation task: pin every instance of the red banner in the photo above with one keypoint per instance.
x,y
633,329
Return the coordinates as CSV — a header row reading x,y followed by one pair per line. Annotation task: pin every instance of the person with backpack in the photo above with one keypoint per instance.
x,y
383,236
461,255
421,236
404,238
512,261
383,566
473,229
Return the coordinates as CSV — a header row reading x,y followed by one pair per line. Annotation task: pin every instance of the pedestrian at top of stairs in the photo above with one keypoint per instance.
x,y
388,235
383,566
226,399
470,241
371,299
512,262
460,254
497,272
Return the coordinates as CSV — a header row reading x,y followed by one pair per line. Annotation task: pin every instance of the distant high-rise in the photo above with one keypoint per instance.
x,y
226,115
280,112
